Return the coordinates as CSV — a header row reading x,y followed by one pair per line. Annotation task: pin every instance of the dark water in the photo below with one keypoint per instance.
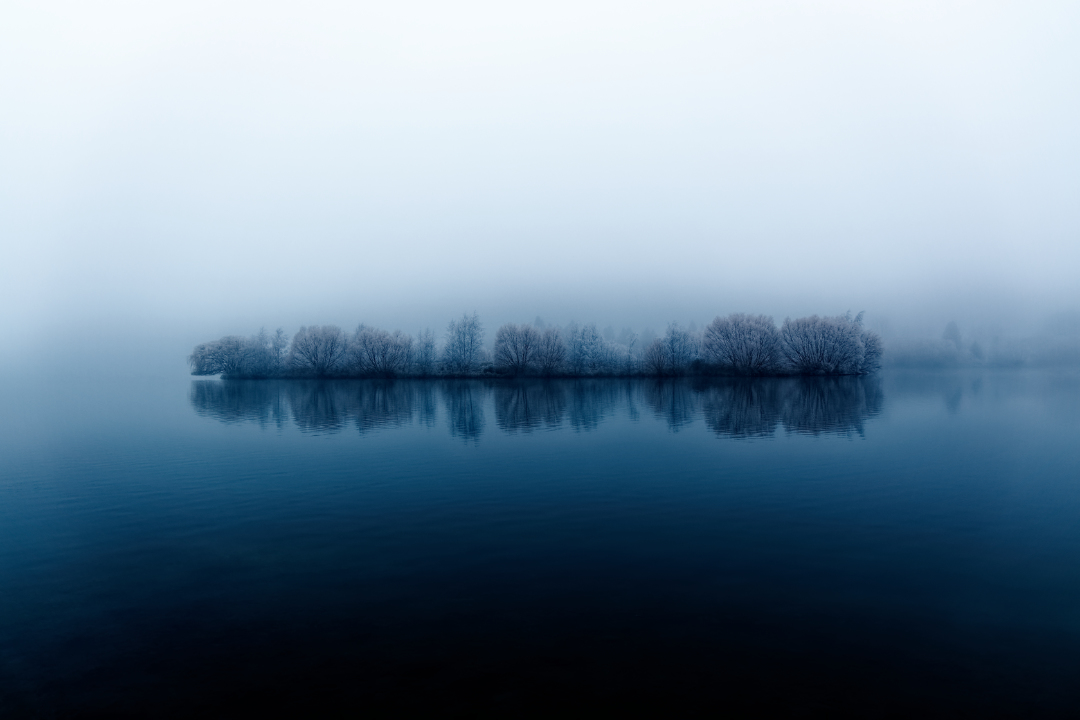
x,y
908,544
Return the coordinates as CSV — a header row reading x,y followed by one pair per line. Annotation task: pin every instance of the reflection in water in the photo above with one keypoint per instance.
x,y
240,400
742,408
592,400
527,405
674,401
830,405
464,401
736,407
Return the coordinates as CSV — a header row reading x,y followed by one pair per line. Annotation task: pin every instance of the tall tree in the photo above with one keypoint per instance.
x,y
464,344
318,350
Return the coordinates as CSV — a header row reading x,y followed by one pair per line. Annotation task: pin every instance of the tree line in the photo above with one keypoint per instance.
x,y
738,344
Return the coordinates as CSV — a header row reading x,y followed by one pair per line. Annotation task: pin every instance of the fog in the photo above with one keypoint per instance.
x,y
172,173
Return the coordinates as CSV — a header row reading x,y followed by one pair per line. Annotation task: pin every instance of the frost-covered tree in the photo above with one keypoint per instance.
x,y
550,352
872,351
829,345
424,353
654,359
234,356
279,346
226,356
681,349
744,344
588,353
464,344
516,347
318,350
378,352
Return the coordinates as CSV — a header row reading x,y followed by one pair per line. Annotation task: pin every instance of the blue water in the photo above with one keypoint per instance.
x,y
904,544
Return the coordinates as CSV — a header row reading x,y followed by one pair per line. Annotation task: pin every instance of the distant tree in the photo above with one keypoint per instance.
x,y
952,334
571,335
262,357
628,339
424,353
654,359
550,352
681,349
464,344
591,357
234,356
829,345
872,352
587,353
516,347
319,350
279,345
226,356
744,344
646,338
378,352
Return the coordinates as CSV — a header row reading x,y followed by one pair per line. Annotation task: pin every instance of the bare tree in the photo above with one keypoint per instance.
x,y
424,353
464,344
234,356
378,352
226,356
744,344
279,345
550,352
654,359
587,353
681,348
872,348
590,351
516,347
319,350
829,346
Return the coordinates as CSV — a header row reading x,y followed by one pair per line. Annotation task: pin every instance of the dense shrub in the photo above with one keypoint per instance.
x,y
744,344
829,346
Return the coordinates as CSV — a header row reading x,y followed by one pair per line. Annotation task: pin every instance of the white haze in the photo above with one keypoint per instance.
x,y
173,172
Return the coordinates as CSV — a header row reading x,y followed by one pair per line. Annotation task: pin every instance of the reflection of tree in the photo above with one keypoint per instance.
x,y
812,405
239,401
731,407
830,405
591,401
464,401
318,405
742,408
672,400
380,404
425,403
524,405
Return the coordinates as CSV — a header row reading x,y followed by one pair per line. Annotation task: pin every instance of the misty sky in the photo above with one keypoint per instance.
x,y
212,167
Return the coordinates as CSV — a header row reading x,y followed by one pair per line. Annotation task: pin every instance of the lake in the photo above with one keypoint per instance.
x,y
907,543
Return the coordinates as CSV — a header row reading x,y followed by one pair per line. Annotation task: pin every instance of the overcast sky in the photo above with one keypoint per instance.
x,y
216,166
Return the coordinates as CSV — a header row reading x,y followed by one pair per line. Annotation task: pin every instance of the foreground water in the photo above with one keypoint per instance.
x,y
903,544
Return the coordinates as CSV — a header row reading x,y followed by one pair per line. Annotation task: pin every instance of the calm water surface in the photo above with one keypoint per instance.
x,y
894,545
